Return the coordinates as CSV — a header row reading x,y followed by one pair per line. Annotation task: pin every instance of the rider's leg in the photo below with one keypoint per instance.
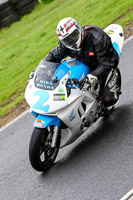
x,y
110,88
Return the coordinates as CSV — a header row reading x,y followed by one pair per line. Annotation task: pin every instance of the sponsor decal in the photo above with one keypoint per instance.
x,y
60,90
110,31
59,97
39,125
62,29
72,115
63,97
91,53
114,27
41,121
45,84
30,86
112,82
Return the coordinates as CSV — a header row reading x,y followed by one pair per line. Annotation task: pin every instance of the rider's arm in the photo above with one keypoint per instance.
x,y
56,54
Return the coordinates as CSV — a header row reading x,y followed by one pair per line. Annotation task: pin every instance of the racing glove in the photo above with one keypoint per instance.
x,y
89,81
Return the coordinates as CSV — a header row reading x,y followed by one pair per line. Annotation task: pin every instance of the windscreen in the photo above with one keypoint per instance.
x,y
45,78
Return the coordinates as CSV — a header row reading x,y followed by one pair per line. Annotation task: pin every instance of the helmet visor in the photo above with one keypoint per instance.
x,y
71,39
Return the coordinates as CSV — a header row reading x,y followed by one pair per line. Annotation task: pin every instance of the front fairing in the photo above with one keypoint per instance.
x,y
46,101
46,92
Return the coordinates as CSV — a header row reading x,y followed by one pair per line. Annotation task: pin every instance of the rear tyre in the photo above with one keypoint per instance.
x,y
41,154
14,1
6,12
4,4
22,4
27,8
9,19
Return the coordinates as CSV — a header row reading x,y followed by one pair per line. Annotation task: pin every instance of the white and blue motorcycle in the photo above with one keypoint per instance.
x,y
63,112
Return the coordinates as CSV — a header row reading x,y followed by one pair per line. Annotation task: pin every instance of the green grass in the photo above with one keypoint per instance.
x,y
25,43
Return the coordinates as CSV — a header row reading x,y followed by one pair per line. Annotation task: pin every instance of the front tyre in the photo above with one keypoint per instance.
x,y
41,154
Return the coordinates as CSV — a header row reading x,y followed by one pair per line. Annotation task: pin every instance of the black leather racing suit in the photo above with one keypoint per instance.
x,y
96,51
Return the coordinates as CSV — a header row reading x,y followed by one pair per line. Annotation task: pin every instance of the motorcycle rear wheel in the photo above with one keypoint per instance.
x,y
41,154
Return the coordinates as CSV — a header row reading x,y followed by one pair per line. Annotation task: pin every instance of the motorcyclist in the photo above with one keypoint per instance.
x,y
89,44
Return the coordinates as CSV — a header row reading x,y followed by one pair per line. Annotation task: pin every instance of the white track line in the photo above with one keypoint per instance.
x,y
14,120
128,39
128,195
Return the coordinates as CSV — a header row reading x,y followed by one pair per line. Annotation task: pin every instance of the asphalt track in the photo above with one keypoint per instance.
x,y
98,166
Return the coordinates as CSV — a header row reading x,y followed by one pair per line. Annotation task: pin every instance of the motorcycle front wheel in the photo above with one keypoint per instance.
x,y
41,154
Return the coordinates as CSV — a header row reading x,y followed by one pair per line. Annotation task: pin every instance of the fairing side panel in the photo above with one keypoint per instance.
x,y
73,117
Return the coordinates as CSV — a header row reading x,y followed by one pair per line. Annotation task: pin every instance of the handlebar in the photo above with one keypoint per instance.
x,y
72,82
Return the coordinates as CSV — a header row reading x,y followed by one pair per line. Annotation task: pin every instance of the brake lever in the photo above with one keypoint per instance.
x,y
73,82
76,81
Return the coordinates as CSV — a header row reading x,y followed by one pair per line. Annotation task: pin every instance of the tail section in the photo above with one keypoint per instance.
x,y
116,34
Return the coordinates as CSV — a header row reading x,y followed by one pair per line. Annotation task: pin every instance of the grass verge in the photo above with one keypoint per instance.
x,y
26,42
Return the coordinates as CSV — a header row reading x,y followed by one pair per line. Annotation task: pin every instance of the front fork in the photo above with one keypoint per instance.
x,y
55,136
